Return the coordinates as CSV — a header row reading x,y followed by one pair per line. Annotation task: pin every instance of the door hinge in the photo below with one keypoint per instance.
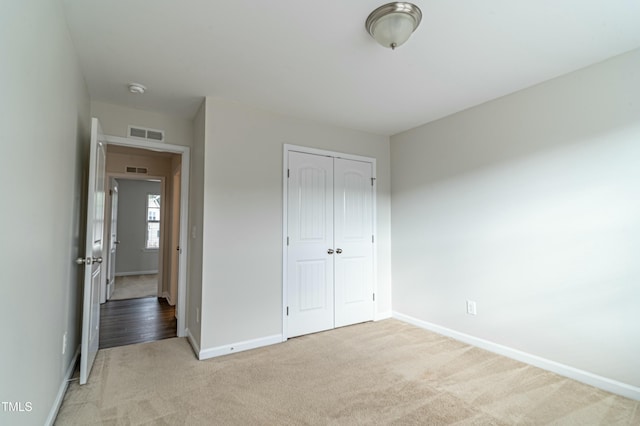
x,y
288,173
287,311
372,180
111,192
374,297
287,240
373,239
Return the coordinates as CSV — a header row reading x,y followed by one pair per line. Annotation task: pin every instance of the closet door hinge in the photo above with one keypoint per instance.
x,y
374,297
373,239
287,240
288,173
287,311
372,180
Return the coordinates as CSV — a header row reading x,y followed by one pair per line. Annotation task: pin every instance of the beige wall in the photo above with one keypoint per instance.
x,y
119,158
242,255
44,117
115,120
530,206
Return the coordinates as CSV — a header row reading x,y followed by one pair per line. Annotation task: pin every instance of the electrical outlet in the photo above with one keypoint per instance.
x,y
471,307
64,343
197,315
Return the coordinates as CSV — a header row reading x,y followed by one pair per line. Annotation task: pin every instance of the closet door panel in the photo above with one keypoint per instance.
x,y
353,214
310,230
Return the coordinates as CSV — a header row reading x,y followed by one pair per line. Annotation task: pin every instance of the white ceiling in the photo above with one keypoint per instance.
x,y
314,59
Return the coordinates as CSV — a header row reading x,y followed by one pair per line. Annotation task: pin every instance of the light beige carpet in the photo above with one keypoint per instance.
x,y
382,373
135,286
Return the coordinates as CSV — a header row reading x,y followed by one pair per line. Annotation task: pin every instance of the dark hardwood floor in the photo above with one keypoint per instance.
x,y
124,322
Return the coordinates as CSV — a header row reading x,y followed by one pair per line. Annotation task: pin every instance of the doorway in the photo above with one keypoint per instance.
x,y
134,238
94,284
143,234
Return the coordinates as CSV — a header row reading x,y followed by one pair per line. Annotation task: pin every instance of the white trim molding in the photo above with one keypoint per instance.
x,y
239,346
166,295
586,377
128,274
57,403
383,316
194,344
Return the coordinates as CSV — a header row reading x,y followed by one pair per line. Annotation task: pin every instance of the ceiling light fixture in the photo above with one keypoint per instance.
x,y
137,88
392,24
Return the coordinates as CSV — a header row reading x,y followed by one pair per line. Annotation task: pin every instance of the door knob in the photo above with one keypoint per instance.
x,y
339,251
330,251
116,242
88,260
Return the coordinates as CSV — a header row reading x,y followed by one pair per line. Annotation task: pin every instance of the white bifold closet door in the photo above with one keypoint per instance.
x,y
330,243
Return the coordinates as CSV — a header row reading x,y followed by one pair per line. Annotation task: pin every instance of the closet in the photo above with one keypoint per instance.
x,y
329,242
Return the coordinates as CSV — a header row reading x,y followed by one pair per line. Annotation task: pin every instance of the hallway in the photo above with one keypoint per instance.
x,y
124,322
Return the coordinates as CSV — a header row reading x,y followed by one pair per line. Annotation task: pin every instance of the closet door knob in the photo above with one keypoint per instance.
x,y
338,251
330,251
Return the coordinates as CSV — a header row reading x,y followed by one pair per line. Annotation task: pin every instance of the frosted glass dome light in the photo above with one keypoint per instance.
x,y
392,24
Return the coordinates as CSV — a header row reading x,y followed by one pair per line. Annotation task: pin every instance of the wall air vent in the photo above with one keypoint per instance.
x,y
155,135
137,170
137,133
146,134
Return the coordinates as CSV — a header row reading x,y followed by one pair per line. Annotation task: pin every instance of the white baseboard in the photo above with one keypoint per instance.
x,y
126,274
239,346
604,383
379,316
57,403
167,296
192,341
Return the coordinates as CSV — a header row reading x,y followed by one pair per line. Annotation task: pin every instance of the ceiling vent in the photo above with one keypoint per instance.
x,y
146,134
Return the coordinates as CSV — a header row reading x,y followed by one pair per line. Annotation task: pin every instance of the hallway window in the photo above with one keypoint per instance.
x,y
153,221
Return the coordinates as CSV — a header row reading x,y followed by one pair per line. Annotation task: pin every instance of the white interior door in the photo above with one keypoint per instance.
x,y
175,239
93,273
113,238
310,246
329,243
353,215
